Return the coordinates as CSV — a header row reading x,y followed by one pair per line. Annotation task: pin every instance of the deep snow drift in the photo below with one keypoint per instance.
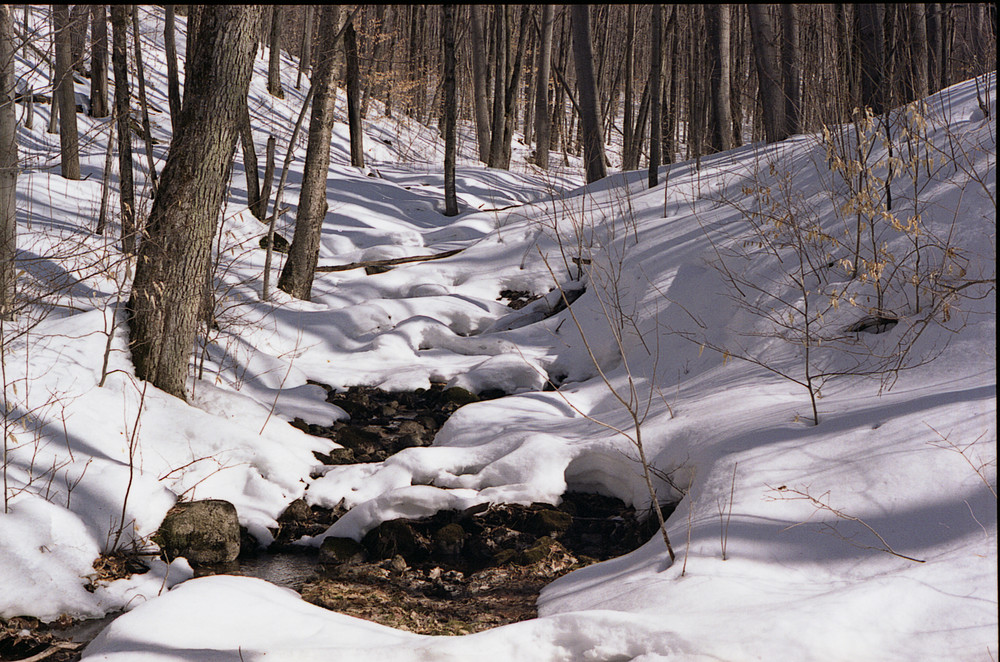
x,y
871,536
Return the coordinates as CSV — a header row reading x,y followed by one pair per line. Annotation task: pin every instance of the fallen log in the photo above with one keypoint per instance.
x,y
391,262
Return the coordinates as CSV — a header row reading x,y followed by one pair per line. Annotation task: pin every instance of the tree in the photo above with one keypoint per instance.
x,y
590,121
8,165
543,124
303,253
274,54
305,49
354,96
791,58
167,295
719,30
868,23
450,110
770,96
98,61
655,85
65,95
143,105
480,97
119,63
170,52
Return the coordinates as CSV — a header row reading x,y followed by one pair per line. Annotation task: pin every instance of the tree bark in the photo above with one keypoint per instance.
x,y
98,61
354,96
119,62
722,119
590,121
8,165
143,105
274,54
791,59
303,254
250,166
543,125
770,97
173,79
868,23
69,139
168,290
501,53
655,94
305,50
450,111
629,154
479,76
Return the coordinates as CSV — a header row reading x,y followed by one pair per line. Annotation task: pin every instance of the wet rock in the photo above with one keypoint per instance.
x,y
337,551
550,522
449,539
200,531
297,511
395,537
457,395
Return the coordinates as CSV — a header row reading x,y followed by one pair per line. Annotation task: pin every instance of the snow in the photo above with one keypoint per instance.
x,y
805,515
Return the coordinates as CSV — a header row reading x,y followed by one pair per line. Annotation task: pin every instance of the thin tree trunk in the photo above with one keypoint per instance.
x,y
98,61
354,96
126,186
590,121
450,111
250,166
173,80
305,50
655,94
274,54
109,160
265,187
500,45
303,254
167,293
510,95
479,76
8,165
868,22
543,124
143,106
791,58
69,139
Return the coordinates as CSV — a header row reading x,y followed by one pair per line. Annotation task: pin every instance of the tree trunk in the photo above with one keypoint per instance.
x,y
510,94
305,50
450,111
168,290
69,139
297,275
628,110
250,166
543,124
8,165
655,94
501,52
354,96
173,81
722,120
770,97
274,54
119,62
265,187
590,121
98,61
868,23
143,106
194,17
791,59
479,76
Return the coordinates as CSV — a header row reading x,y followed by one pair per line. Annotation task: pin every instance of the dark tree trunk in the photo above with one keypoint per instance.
x,y
791,58
770,97
143,106
543,124
868,23
479,76
590,121
257,205
501,54
98,61
305,50
119,63
194,17
628,109
303,254
173,80
69,139
450,111
168,290
510,94
919,60
8,165
655,94
354,96
274,55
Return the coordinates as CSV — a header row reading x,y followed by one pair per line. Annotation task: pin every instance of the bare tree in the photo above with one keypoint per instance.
x,y
354,96
119,62
140,74
719,31
65,95
590,121
8,165
167,295
765,49
303,253
170,52
791,58
305,50
655,96
543,124
450,110
479,75
869,17
98,61
274,54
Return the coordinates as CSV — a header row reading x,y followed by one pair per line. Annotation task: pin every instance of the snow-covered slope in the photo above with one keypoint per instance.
x,y
871,536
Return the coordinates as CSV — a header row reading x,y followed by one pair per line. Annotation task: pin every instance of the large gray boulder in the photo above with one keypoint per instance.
x,y
203,532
